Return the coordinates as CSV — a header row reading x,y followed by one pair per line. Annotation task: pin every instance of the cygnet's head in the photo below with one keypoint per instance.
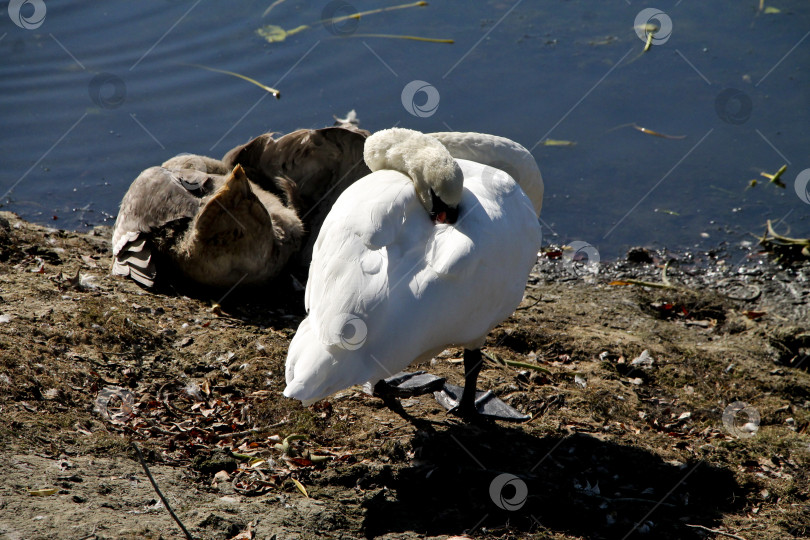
x,y
436,176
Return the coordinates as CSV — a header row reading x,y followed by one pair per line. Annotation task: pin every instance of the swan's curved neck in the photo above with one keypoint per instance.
x,y
420,157
501,153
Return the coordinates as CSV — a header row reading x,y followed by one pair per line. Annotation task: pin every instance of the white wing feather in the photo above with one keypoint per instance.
x,y
388,287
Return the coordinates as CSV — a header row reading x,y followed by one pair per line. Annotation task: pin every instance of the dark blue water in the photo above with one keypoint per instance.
x,y
99,91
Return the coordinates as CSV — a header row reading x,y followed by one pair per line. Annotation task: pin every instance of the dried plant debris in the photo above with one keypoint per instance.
x,y
653,410
784,248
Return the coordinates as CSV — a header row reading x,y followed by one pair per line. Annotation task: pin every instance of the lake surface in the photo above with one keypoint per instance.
x,y
95,92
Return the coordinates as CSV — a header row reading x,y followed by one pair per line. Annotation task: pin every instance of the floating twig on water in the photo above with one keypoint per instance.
x,y
276,93
394,36
274,33
656,134
360,14
274,4
647,131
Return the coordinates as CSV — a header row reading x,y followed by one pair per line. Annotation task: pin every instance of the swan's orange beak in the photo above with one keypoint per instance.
x,y
442,212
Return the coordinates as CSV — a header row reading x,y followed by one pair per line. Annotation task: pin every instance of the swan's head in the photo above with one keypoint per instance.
x,y
436,176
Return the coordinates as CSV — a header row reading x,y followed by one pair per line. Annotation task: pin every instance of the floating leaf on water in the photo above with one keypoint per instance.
x,y
557,142
775,178
770,9
272,33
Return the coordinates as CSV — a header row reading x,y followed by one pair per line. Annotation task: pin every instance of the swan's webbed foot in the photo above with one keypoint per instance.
x,y
471,404
405,384
485,405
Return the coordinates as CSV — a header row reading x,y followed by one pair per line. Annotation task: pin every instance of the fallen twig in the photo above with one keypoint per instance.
x,y
92,534
514,363
537,301
642,283
715,531
254,431
160,494
784,247
665,283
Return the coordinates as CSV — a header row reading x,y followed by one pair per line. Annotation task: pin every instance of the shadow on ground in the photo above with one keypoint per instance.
x,y
469,479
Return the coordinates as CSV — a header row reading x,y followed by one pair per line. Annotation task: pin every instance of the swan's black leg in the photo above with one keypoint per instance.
x,y
383,391
472,366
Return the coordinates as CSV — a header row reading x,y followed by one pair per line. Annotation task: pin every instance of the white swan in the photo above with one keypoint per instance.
x,y
388,286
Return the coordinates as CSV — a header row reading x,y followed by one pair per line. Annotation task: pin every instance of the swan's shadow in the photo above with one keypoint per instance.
x,y
501,479
278,302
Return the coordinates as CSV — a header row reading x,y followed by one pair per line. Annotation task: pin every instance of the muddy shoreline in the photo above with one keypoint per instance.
x,y
622,443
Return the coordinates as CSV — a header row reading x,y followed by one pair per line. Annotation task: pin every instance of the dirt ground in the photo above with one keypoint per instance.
x,y
704,435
